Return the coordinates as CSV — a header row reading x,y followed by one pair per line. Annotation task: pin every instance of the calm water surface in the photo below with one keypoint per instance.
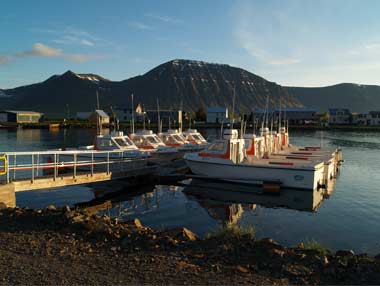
x,y
349,218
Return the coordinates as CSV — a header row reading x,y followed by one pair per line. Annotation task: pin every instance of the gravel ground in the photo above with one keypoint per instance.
x,y
61,246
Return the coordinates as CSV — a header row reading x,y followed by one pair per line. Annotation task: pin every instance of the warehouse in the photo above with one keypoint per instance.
x,y
12,116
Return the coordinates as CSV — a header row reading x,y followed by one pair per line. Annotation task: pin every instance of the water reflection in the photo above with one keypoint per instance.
x,y
203,205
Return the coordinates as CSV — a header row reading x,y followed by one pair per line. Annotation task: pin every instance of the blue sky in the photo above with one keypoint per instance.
x,y
301,43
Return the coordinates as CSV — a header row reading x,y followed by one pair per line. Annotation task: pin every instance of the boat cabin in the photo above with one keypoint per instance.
x,y
230,147
115,140
146,139
173,138
194,137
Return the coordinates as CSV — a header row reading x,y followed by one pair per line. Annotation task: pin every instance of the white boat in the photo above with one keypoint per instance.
x,y
194,137
279,148
116,148
226,159
176,139
146,140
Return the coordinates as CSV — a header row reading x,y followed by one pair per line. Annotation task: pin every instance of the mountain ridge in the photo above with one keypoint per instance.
x,y
185,84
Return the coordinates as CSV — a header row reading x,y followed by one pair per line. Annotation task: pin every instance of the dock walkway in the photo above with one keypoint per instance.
x,y
25,171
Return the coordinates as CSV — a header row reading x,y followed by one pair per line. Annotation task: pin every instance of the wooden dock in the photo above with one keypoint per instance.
x,y
27,171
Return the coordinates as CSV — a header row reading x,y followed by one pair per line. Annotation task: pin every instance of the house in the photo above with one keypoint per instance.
x,y
123,114
13,116
216,114
339,116
374,117
294,115
94,117
360,118
83,115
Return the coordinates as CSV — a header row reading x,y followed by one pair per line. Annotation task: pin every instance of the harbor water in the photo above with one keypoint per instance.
x,y
347,218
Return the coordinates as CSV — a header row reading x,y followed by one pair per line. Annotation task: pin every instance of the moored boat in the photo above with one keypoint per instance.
x,y
226,159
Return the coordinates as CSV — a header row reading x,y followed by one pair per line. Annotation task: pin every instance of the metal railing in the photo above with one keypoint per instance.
x,y
41,164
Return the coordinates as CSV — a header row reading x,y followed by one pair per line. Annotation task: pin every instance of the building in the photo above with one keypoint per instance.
x,y
12,116
294,115
216,114
83,115
94,117
339,116
123,114
374,117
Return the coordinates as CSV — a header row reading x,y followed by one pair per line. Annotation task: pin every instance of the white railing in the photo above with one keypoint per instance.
x,y
38,164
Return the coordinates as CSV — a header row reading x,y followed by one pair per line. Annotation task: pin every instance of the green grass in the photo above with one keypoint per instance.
x,y
315,245
232,231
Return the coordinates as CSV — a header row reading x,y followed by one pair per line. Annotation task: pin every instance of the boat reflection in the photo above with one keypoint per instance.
x,y
198,201
214,194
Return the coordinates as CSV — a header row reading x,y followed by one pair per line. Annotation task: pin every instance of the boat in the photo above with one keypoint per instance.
x,y
194,137
146,140
176,139
108,148
276,146
226,159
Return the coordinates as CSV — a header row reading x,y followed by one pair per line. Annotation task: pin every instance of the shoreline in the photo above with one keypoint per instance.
x,y
63,246
200,126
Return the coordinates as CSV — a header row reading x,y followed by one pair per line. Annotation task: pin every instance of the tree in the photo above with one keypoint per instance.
x,y
201,114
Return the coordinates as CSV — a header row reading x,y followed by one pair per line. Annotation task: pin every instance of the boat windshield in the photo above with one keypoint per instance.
x,y
153,139
106,142
217,146
198,137
178,138
122,142
170,139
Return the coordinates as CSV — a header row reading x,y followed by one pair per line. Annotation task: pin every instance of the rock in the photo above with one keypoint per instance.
x,y
189,235
77,218
324,260
268,240
66,209
137,223
51,208
345,253
301,245
279,252
242,269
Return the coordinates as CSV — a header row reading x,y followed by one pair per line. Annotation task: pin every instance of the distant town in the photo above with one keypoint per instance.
x,y
210,115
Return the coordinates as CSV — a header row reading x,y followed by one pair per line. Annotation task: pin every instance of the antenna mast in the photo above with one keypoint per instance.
x,y
158,117
133,116
97,100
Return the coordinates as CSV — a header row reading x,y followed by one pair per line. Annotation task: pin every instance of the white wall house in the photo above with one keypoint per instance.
x,y
124,114
216,114
339,116
374,117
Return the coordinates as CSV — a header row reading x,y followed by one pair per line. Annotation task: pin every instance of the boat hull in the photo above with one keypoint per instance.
x,y
308,179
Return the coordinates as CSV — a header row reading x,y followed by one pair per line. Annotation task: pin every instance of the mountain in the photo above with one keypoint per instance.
x,y
186,83
356,97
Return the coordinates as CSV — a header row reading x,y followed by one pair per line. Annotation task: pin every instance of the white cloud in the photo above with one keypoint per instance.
x,y
139,25
163,18
4,60
284,61
70,40
43,50
72,36
373,46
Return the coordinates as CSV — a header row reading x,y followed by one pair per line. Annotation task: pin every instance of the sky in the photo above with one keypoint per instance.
x,y
291,42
